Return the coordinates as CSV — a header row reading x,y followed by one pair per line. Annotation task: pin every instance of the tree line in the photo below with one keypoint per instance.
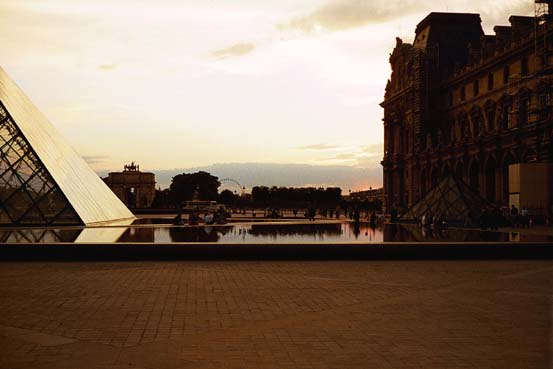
x,y
183,186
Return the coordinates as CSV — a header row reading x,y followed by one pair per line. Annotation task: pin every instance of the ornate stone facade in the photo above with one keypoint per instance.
x,y
135,188
462,102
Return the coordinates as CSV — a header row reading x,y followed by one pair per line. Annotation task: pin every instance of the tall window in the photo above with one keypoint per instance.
x,y
476,88
524,66
490,81
505,116
543,102
506,73
463,96
476,117
463,127
523,111
490,113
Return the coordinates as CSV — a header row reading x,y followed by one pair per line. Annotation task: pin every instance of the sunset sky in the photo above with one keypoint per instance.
x,y
191,83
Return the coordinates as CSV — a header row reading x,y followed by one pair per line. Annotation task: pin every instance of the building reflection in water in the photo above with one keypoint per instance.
x,y
262,233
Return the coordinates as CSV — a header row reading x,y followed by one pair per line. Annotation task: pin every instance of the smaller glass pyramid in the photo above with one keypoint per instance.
x,y
453,199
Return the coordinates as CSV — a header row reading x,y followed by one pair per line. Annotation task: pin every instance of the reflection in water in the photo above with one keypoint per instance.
x,y
264,233
137,235
39,235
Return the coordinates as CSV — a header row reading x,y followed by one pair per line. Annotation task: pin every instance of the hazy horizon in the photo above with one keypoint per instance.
x,y
281,175
190,84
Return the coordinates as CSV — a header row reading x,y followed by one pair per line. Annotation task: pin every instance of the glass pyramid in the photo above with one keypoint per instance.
x,y
453,199
43,181
28,194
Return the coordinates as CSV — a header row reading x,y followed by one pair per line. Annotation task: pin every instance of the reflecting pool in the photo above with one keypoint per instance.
x,y
261,233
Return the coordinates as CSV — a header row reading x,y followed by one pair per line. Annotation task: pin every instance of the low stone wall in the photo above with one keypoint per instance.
x,y
208,251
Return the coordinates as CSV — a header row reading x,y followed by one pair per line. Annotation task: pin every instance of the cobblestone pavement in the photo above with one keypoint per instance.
x,y
359,314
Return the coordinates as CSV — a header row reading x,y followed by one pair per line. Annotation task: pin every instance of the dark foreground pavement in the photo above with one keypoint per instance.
x,y
276,314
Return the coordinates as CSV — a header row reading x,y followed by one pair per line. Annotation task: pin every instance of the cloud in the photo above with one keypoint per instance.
x,y
239,49
95,159
345,14
107,67
373,149
319,147
367,156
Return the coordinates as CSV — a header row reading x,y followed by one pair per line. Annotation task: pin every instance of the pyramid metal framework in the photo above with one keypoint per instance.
x,y
43,181
453,199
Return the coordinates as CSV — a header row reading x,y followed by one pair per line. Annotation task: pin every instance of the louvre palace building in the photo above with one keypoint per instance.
x,y
465,103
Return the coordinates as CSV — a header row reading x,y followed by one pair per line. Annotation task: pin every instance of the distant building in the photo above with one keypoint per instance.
x,y
135,188
369,195
465,103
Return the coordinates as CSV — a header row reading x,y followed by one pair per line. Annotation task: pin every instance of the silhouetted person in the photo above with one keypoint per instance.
x,y
373,219
525,219
483,220
193,218
356,216
436,222
356,229
393,215
178,219
495,219
312,213
514,215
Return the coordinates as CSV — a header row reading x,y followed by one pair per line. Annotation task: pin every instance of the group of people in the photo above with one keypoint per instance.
x,y
520,219
217,217
433,221
490,218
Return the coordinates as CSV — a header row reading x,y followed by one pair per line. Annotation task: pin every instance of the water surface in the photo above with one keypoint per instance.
x,y
262,233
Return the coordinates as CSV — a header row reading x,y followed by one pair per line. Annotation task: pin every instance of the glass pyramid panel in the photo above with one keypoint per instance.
x,y
452,199
28,194
79,186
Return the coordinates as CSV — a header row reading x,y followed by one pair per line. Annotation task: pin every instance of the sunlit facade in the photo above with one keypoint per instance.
x,y
465,103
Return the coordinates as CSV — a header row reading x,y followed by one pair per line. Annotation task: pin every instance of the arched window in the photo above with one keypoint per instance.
x,y
490,179
477,121
508,159
505,112
490,108
463,125
523,107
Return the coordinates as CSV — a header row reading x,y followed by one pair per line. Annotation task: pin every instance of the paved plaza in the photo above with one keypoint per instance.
x,y
289,314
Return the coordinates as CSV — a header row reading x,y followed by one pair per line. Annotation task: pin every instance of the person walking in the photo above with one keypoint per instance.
x,y
514,216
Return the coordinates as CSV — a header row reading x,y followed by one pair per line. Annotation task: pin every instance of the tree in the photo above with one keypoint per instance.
x,y
260,195
162,199
183,186
227,197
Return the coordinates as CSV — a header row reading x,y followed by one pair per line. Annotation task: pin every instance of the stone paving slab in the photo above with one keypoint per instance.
x,y
276,314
